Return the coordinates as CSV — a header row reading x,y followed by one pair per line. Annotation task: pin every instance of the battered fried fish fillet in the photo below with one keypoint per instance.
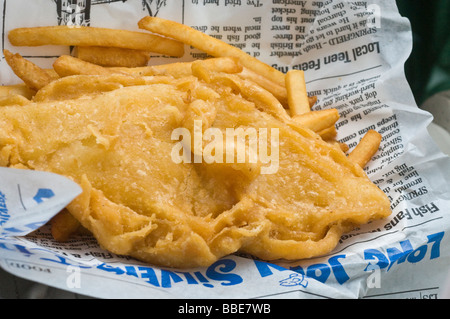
x,y
137,201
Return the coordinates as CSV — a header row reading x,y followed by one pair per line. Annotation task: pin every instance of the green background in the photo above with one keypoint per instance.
x,y
428,68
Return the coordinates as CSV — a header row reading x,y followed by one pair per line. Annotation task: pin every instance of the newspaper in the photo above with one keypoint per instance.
x,y
353,53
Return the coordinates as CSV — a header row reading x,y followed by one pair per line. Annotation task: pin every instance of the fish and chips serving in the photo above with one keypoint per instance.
x,y
183,163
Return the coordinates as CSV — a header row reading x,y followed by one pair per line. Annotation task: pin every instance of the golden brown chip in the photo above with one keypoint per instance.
x,y
298,100
17,89
366,148
76,86
210,45
64,225
67,65
31,74
92,36
13,99
318,120
113,57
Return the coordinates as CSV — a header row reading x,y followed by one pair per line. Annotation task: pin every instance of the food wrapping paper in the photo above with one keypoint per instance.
x,y
353,54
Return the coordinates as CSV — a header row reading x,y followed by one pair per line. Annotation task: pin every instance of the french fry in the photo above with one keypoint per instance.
x,y
92,36
31,74
67,65
318,120
296,92
113,57
277,90
208,44
223,64
182,69
201,71
63,225
344,147
251,91
312,100
262,98
203,68
52,73
13,99
366,148
17,89
72,87
176,69
329,133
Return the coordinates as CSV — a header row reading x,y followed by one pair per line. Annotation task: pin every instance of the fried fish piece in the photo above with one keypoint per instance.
x,y
138,201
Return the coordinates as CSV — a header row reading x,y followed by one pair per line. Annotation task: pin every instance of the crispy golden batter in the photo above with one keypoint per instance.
x,y
137,201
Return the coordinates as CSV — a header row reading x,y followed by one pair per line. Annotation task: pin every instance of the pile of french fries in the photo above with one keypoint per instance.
x,y
105,59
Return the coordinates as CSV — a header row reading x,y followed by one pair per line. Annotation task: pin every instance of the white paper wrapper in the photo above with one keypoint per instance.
x,y
353,54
